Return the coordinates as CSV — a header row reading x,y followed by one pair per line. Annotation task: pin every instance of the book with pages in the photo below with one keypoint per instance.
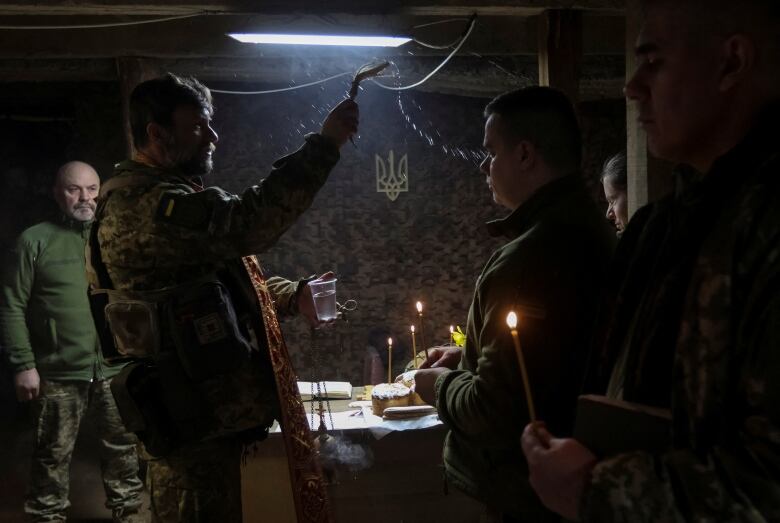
x,y
608,426
335,390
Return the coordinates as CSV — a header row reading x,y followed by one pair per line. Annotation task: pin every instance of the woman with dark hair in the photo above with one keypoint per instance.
x,y
614,181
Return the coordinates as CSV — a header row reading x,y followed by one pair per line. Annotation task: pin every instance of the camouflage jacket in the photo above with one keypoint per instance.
x,y
702,337
550,273
166,232
158,235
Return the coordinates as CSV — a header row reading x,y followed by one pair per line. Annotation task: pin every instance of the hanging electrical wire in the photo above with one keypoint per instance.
x,y
103,25
472,23
438,22
458,43
447,21
463,38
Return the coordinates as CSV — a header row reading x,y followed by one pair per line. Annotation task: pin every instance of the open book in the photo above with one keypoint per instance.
x,y
608,426
335,390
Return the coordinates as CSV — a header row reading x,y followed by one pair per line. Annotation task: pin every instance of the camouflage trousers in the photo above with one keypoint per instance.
x,y
199,483
58,411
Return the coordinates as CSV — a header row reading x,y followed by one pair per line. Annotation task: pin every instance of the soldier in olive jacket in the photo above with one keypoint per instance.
x,y
47,329
550,272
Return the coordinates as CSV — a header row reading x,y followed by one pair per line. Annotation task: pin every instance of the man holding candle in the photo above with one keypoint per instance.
x,y
696,325
550,273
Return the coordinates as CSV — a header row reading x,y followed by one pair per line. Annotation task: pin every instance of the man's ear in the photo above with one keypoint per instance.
x,y
738,56
524,155
157,133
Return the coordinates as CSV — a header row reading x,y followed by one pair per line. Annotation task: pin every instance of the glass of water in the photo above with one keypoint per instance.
x,y
324,294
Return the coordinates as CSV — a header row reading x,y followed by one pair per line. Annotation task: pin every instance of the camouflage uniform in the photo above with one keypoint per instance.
x,y
169,232
697,329
59,411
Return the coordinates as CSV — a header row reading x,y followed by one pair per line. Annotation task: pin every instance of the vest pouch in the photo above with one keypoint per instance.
x,y
137,391
97,305
134,326
205,330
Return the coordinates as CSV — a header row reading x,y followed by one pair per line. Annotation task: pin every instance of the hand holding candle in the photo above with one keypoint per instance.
x,y
389,360
511,321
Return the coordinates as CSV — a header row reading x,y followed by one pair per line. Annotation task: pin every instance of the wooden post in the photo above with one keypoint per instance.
x,y
131,71
560,51
636,140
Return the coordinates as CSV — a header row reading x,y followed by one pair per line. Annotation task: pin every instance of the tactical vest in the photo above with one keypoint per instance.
x,y
193,374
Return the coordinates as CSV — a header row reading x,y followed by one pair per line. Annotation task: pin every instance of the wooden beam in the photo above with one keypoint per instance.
x,y
560,51
636,139
464,76
205,37
415,7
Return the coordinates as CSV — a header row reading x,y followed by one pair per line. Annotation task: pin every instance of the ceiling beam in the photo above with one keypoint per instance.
x,y
205,37
464,76
411,7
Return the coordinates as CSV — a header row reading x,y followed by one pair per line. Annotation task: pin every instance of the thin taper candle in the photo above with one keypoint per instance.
x,y
419,306
452,335
511,321
389,360
414,349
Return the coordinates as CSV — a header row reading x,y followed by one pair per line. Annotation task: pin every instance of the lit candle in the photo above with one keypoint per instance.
x,y
414,349
511,321
452,335
389,360
419,306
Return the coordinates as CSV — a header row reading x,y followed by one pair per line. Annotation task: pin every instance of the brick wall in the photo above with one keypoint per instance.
x,y
429,244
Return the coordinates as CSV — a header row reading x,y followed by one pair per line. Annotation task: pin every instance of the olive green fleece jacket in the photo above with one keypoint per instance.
x,y
550,272
45,318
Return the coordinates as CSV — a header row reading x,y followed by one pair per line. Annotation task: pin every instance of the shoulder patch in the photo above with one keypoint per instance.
x,y
184,210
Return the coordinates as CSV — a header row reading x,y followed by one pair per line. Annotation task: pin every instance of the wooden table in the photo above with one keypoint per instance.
x,y
404,485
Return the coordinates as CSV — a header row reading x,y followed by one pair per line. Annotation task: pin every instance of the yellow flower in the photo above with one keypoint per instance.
x,y
459,337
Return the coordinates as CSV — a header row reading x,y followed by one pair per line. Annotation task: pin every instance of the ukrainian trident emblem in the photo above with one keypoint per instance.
x,y
391,180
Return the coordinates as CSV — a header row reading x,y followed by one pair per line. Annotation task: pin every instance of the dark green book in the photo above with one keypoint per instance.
x,y
608,426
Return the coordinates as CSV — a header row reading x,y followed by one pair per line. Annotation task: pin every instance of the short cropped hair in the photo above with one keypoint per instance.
x,y
156,100
545,117
615,171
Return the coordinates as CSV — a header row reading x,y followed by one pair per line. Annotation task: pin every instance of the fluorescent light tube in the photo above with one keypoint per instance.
x,y
365,41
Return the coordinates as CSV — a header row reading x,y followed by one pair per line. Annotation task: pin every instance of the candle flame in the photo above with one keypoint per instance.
x,y
390,342
452,329
511,320
412,329
419,307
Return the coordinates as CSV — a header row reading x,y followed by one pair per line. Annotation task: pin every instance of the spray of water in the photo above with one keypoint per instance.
x,y
414,120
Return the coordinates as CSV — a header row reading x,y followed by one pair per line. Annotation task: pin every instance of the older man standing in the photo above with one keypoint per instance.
x,y
53,350
696,326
